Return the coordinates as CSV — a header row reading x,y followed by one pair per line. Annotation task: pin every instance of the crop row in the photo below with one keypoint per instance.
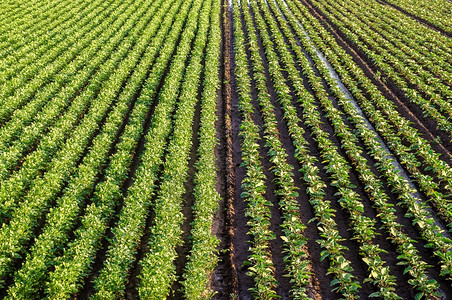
x,y
349,141
261,267
416,43
400,129
44,190
73,140
20,89
107,194
338,168
378,196
158,266
436,12
203,255
62,218
419,144
30,123
424,181
129,229
99,157
418,210
336,164
19,56
435,164
324,213
294,241
411,45
389,59
51,147
20,21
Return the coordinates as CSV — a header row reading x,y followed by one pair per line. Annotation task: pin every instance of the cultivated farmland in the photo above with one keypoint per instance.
x,y
294,149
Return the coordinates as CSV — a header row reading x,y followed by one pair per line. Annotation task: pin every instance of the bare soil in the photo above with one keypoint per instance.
x,y
222,279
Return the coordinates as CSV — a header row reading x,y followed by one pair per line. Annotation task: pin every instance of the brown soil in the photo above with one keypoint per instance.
x,y
231,148
222,279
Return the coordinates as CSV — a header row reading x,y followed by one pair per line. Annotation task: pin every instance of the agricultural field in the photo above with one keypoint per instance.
x,y
259,149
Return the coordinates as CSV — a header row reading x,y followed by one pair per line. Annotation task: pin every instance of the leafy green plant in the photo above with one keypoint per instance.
x,y
203,257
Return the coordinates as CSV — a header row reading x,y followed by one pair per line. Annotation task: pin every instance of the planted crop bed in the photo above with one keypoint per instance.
x,y
295,149
340,188
108,142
